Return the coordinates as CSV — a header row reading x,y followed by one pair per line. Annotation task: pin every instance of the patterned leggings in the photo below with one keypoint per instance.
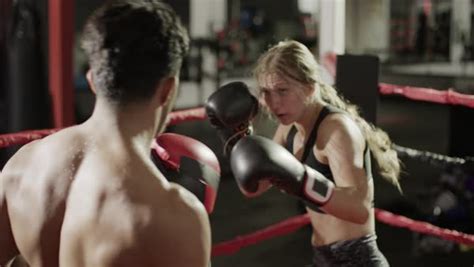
x,y
358,252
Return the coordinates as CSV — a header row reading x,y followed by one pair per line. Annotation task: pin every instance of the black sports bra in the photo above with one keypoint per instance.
x,y
308,157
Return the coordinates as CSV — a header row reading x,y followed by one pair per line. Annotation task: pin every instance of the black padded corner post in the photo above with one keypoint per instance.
x,y
357,79
461,132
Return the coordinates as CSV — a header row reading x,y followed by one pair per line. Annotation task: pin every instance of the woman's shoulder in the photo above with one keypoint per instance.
x,y
339,125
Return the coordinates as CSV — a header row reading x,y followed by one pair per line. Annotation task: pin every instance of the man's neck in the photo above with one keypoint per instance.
x,y
134,125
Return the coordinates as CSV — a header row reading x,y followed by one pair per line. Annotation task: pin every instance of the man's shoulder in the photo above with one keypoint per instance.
x,y
191,221
185,201
183,210
20,159
40,158
36,149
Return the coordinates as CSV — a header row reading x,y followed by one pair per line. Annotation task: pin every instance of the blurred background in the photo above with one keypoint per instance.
x,y
417,43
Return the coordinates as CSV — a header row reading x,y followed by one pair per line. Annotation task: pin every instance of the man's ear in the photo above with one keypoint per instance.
x,y
90,81
166,89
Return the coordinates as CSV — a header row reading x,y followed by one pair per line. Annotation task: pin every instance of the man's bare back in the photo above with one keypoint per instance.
x,y
90,195
105,205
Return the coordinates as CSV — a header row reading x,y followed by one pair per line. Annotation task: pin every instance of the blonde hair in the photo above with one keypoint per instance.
x,y
294,60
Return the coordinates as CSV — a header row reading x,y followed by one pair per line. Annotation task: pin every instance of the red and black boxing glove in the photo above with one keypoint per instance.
x,y
189,163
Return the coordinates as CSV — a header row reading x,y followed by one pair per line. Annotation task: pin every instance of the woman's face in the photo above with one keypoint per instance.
x,y
285,98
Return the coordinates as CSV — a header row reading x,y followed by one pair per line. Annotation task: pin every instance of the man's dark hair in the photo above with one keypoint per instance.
x,y
131,45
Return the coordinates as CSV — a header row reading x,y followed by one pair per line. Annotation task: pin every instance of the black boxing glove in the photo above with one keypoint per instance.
x,y
230,110
255,158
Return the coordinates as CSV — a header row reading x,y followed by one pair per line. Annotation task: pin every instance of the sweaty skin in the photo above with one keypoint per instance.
x,y
103,200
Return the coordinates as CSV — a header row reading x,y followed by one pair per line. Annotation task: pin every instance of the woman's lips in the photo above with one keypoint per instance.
x,y
281,116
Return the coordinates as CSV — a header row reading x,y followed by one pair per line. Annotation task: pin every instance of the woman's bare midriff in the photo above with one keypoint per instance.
x,y
328,229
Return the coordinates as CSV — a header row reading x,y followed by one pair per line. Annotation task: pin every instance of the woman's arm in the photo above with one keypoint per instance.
x,y
343,145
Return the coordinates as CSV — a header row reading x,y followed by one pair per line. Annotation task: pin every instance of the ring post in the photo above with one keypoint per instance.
x,y
357,78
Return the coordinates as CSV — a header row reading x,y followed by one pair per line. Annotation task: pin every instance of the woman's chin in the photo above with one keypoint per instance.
x,y
285,120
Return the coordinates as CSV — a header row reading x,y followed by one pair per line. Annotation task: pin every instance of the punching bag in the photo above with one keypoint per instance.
x,y
5,19
27,94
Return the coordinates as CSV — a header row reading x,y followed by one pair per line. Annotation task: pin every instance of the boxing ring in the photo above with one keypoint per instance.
x,y
62,93
293,224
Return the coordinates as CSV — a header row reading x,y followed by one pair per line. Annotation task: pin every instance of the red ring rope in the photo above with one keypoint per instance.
x,y
284,227
449,96
423,227
427,94
292,224
24,137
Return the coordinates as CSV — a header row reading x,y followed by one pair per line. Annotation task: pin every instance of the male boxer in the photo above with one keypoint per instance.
x,y
90,195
